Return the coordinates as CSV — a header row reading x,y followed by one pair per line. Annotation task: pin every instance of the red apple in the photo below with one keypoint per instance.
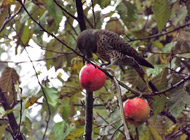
x,y
136,110
91,78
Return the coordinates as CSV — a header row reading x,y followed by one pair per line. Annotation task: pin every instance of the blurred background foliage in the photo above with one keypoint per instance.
x,y
33,62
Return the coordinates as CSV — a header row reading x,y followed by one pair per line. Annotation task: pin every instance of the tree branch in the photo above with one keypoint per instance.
x,y
168,89
89,95
88,115
15,130
94,18
38,60
64,10
80,13
9,19
161,34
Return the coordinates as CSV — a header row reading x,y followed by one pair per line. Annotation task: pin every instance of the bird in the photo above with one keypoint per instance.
x,y
110,47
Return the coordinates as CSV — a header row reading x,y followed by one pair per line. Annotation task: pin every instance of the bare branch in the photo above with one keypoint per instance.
x,y
88,21
45,97
170,88
38,60
94,18
80,13
9,19
15,130
88,115
64,10
161,34
109,123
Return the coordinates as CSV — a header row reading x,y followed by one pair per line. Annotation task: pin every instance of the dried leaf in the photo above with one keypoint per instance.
x,y
115,25
31,101
7,83
7,2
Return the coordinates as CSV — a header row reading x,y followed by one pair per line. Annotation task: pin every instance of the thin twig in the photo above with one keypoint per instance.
x,y
72,27
116,131
38,60
9,19
161,34
170,88
94,18
109,123
45,97
86,19
64,10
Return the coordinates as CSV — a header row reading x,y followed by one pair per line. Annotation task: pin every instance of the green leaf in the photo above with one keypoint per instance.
x,y
115,25
103,3
2,131
168,47
127,12
154,133
177,101
76,133
162,12
65,110
3,14
159,104
61,130
52,96
54,10
25,35
158,44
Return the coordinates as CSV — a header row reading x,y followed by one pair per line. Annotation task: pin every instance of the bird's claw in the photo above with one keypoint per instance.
x,y
109,70
103,65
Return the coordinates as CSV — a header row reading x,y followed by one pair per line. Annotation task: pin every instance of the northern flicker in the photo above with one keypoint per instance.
x,y
110,47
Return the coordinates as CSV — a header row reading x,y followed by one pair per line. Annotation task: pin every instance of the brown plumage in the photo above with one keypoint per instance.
x,y
110,47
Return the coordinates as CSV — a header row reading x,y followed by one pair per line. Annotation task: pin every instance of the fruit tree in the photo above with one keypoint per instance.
x,y
47,92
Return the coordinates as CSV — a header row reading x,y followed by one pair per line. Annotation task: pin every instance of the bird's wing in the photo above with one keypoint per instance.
x,y
117,43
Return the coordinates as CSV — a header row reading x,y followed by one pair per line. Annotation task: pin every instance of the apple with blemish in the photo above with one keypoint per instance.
x,y
136,111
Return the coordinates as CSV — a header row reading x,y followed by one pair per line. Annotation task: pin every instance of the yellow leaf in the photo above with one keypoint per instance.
x,y
2,129
31,101
163,61
77,133
59,75
115,25
154,133
158,44
7,2
183,137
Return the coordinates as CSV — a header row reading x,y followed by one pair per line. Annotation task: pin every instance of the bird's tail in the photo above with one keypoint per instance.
x,y
142,74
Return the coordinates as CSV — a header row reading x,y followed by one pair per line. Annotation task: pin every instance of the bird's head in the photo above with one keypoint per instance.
x,y
86,42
